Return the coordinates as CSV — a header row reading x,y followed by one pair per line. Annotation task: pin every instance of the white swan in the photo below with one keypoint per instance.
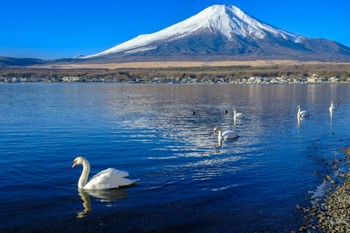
x,y
301,114
236,114
227,135
331,108
106,179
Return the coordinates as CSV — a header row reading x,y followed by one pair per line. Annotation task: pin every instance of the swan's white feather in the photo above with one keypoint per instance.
x,y
109,179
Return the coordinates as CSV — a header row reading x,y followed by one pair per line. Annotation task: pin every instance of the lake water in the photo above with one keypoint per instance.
x,y
186,185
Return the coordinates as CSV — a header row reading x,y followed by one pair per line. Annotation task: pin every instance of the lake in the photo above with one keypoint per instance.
x,y
163,135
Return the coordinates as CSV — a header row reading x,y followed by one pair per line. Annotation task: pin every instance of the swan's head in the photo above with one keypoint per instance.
x,y
78,160
298,107
233,110
217,129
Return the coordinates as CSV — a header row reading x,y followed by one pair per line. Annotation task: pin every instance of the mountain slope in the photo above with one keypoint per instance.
x,y
223,33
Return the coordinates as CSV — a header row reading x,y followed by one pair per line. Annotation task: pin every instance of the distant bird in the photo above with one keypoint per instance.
x,y
236,114
194,113
331,108
301,114
226,111
107,179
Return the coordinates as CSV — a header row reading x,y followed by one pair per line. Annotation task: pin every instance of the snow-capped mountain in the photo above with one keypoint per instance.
x,y
223,32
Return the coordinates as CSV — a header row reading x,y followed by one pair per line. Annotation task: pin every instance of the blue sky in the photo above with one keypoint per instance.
x,y
66,28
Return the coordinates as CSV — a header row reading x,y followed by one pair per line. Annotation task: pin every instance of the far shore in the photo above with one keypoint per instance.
x,y
259,71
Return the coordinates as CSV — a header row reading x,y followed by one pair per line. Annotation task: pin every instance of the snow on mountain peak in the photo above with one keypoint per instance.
x,y
227,20
231,20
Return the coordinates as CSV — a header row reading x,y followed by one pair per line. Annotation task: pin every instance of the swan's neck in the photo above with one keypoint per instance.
x,y
234,113
219,135
84,175
219,141
298,112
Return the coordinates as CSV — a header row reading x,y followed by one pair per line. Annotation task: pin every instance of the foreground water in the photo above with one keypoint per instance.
x,y
186,185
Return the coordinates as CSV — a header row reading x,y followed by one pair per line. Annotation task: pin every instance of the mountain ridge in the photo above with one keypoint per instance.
x,y
226,33
11,61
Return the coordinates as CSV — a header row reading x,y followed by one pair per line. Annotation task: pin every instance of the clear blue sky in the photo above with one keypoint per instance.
x,y
66,28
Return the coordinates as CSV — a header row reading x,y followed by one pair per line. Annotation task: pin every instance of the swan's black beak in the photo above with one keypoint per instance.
x,y
74,164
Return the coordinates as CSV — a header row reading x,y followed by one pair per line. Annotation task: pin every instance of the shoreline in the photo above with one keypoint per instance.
x,y
330,211
180,81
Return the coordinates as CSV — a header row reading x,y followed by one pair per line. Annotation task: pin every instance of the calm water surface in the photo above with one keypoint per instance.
x,y
186,185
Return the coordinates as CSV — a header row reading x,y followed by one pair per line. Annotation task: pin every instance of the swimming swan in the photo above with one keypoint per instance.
x,y
106,179
236,114
225,135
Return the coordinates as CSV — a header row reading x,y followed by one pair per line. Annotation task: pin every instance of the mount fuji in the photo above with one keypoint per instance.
x,y
222,32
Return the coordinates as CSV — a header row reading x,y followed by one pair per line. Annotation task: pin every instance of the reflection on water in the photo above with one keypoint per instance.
x,y
86,204
331,115
107,196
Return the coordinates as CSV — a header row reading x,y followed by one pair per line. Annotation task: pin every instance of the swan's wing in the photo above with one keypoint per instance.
x,y
238,115
109,179
226,133
109,172
229,134
304,114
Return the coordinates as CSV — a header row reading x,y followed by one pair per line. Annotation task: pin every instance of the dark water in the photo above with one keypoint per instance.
x,y
249,185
